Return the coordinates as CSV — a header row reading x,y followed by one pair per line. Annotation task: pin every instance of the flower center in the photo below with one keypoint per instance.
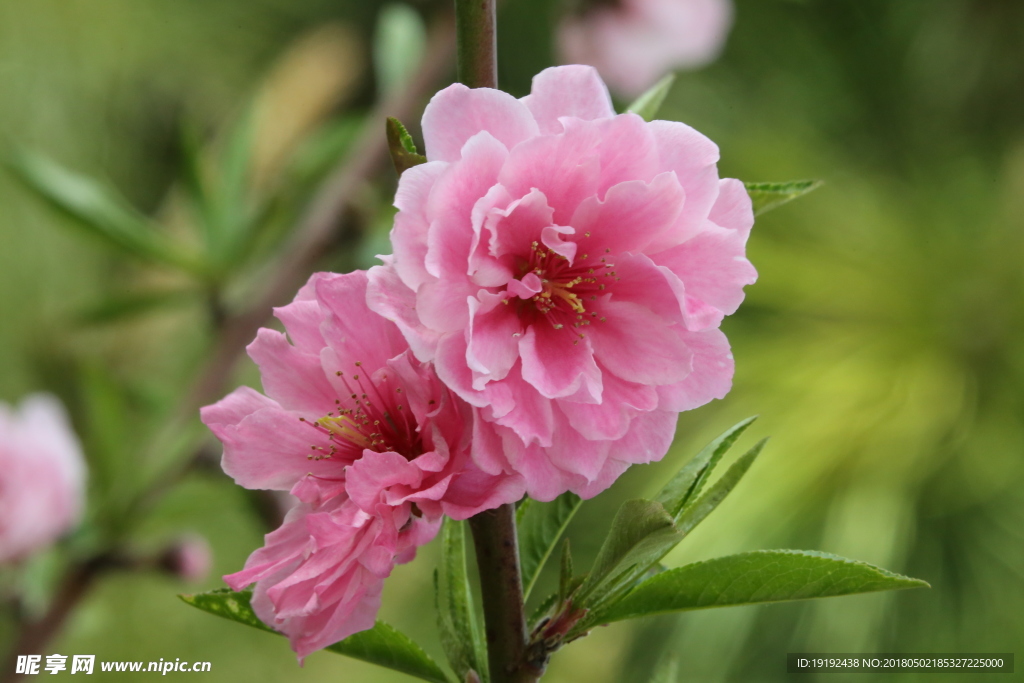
x,y
566,288
371,416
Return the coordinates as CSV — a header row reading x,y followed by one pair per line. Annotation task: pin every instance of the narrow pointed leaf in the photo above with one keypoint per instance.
x,y
566,576
124,307
461,636
703,506
100,212
687,484
768,196
232,203
404,154
195,181
382,645
648,104
641,533
540,525
757,577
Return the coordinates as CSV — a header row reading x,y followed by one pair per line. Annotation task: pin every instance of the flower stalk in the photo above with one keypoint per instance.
x,y
477,39
501,589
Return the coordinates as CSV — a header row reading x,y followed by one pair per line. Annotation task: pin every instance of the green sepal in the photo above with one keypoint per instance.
x,y
647,105
404,154
768,196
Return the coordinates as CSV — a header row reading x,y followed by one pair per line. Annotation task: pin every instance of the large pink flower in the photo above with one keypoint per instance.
x,y
375,447
566,270
633,43
42,476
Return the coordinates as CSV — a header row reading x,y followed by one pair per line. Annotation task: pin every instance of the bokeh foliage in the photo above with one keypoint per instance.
x,y
883,345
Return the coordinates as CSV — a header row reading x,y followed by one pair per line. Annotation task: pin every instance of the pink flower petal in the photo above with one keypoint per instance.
x,y
455,194
648,208
294,379
637,346
268,449
610,419
711,377
457,113
514,230
494,332
387,296
557,363
567,91
565,168
409,234
733,210
712,266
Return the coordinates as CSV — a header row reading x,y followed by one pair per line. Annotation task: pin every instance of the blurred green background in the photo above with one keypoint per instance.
x,y
883,345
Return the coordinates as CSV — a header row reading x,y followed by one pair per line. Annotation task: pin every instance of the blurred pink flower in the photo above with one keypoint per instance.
x,y
633,43
566,270
42,476
371,443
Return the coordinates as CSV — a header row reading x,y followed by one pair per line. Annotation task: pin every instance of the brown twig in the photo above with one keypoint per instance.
x,y
76,584
501,591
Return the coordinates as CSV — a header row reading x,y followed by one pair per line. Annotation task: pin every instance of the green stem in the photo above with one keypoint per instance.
x,y
501,588
477,39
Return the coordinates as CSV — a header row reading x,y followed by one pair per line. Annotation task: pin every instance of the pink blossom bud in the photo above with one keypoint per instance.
x,y
189,558
42,476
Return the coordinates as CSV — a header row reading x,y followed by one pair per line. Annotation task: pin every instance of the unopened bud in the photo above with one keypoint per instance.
x,y
188,558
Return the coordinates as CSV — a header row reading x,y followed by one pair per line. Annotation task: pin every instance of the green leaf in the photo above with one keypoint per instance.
x,y
403,150
768,196
695,513
540,525
232,206
648,104
100,212
688,483
757,577
398,46
641,533
122,307
627,574
461,637
386,646
381,645
196,183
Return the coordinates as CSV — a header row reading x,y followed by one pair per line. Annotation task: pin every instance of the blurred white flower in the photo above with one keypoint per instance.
x,y
42,476
633,43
